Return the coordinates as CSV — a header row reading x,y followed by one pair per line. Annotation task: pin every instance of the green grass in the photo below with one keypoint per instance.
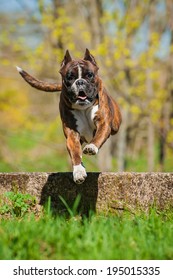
x,y
44,150
28,151
32,152
100,237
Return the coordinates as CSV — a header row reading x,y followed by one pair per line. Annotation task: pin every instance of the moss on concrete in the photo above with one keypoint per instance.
x,y
101,192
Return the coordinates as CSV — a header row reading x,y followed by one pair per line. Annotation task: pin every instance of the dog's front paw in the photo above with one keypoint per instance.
x,y
79,174
90,149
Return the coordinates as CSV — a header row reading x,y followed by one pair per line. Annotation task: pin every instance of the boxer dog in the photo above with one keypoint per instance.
x,y
89,115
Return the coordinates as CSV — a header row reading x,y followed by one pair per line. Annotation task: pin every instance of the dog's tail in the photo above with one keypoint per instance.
x,y
40,85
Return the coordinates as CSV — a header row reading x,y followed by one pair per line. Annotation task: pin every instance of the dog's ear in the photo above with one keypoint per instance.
x,y
90,57
67,58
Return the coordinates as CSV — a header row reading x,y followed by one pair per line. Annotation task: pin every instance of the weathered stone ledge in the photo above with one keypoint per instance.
x,y
101,191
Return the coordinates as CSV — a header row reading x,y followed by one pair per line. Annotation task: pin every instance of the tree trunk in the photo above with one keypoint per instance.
x,y
150,136
94,14
105,157
122,141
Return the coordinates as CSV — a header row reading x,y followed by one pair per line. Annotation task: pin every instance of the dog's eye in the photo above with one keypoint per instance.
x,y
90,75
70,77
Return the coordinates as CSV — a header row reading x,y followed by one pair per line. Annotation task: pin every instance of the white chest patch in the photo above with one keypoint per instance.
x,y
84,121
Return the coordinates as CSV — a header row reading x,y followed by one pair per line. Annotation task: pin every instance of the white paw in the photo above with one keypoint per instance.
x,y
90,149
79,174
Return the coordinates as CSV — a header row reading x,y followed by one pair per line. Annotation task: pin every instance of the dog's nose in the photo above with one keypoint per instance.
x,y
80,82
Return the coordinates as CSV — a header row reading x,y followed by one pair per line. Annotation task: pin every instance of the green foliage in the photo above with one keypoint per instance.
x,y
13,108
139,236
16,204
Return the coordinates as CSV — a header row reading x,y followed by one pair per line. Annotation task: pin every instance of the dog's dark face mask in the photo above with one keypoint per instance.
x,y
80,80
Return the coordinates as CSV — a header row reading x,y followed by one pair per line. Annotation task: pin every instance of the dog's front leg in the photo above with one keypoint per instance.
x,y
102,134
75,151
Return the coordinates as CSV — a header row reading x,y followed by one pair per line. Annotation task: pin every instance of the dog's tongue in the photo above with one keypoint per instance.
x,y
82,95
